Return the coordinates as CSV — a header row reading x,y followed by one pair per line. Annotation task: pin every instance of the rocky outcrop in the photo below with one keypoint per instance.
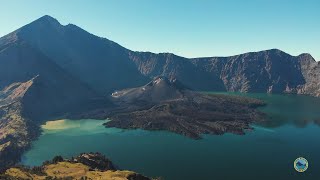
x,y
16,133
94,161
85,166
16,130
311,71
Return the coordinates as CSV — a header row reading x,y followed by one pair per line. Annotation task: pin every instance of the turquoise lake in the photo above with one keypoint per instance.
x,y
267,152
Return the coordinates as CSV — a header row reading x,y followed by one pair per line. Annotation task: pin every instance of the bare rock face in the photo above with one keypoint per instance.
x,y
311,71
16,131
271,71
176,67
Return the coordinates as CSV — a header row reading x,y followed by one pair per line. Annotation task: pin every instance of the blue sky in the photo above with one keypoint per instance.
x,y
191,28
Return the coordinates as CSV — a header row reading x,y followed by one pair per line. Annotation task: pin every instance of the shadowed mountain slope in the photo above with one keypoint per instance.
x,y
53,90
102,64
106,66
34,89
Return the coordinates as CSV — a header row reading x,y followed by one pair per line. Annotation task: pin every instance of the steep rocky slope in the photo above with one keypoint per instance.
x,y
271,71
23,107
34,89
311,72
102,64
176,67
53,91
16,130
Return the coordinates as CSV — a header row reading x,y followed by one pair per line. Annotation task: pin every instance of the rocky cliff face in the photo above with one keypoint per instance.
x,y
311,71
16,130
176,67
271,71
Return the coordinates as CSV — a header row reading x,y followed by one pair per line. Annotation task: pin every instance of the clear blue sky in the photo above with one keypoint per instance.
x,y
190,28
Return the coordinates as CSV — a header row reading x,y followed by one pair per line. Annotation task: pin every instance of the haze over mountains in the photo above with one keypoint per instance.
x,y
105,66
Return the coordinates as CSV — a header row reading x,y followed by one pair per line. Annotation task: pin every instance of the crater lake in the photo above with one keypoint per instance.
x,y
267,152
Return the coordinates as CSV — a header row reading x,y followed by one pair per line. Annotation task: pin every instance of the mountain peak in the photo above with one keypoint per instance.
x,y
159,89
48,19
274,51
160,79
165,81
43,24
306,57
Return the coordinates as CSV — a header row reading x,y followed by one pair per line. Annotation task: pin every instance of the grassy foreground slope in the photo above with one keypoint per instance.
x,y
93,166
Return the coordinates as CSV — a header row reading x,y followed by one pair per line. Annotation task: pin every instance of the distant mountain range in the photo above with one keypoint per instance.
x,y
105,66
49,71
